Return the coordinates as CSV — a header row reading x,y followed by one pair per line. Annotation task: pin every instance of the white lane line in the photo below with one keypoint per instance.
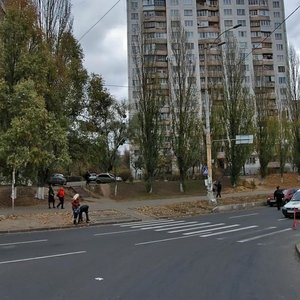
x,y
283,219
197,227
163,226
228,231
263,235
187,224
211,229
141,223
25,242
40,257
242,216
163,240
158,224
116,232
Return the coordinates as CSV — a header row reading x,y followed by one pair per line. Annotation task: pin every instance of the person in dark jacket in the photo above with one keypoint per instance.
x,y
51,199
219,189
278,195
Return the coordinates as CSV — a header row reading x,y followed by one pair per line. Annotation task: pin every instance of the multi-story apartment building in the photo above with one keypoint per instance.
x,y
260,34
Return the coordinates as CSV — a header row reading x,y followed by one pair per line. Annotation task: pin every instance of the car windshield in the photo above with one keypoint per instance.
x,y
296,196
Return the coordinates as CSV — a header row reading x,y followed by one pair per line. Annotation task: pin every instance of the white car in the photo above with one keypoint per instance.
x,y
293,206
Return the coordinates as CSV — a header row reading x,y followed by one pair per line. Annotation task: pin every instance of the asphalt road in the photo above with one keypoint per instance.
x,y
248,254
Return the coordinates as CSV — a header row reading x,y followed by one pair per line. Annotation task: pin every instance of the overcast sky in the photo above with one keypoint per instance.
x,y
105,46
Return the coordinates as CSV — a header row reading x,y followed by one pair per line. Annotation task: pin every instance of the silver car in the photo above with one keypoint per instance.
x,y
107,178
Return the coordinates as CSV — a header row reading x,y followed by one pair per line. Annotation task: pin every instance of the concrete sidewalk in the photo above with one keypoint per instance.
x,y
102,211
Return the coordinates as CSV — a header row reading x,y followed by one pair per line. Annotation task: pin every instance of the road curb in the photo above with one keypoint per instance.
x,y
70,226
236,206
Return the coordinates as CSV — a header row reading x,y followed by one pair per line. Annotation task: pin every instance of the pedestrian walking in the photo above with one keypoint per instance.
x,y
87,177
51,199
219,189
278,195
61,196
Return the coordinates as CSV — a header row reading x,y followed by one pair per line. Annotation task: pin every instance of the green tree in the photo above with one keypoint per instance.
x,y
293,97
34,140
236,111
147,107
107,120
184,103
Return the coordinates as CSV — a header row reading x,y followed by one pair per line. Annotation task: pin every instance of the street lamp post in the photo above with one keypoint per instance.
x,y
210,194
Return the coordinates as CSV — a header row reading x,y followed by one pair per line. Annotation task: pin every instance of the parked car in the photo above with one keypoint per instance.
x,y
288,194
93,177
107,178
271,200
57,179
293,206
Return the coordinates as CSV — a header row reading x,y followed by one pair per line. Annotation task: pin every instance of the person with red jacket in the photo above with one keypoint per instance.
x,y
61,196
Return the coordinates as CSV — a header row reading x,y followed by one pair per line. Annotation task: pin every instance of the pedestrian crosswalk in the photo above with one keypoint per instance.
x,y
202,229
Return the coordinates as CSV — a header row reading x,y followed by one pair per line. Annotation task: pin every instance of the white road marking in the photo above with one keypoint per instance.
x,y
197,227
263,235
227,231
242,216
283,219
158,224
116,232
141,223
211,229
25,242
187,224
162,226
41,257
99,278
163,240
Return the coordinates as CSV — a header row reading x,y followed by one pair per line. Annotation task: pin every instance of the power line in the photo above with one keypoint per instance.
x,y
97,21
278,26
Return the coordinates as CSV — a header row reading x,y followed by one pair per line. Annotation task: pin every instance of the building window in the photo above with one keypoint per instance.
x,y
134,5
227,12
188,12
228,23
188,23
240,12
187,2
276,14
281,69
174,2
242,22
227,2
189,34
276,4
134,16
240,2
278,36
242,33
279,47
280,57
174,12
282,80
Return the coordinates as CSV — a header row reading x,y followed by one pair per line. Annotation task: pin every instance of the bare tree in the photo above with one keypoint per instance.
x,y
184,102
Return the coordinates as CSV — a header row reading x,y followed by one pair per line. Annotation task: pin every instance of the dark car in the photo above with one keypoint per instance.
x,y
57,179
107,178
